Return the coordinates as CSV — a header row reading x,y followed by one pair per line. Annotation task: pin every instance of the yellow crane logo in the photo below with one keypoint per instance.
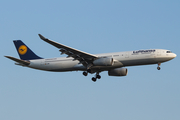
x,y
22,49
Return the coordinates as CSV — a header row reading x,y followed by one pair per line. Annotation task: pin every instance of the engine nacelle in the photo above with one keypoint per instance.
x,y
103,62
118,72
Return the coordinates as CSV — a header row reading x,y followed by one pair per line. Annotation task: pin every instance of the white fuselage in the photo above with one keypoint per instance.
x,y
121,59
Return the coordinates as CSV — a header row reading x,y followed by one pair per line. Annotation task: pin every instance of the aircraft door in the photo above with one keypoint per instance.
x,y
158,53
126,55
42,62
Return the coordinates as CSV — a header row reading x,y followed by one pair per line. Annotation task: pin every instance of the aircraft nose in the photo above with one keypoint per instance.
x,y
174,55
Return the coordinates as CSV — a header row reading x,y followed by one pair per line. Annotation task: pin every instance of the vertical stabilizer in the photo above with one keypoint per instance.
x,y
25,53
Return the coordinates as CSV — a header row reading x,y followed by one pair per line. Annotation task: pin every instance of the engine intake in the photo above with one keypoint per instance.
x,y
103,62
118,72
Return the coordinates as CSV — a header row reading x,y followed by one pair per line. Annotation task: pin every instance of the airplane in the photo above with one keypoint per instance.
x,y
77,60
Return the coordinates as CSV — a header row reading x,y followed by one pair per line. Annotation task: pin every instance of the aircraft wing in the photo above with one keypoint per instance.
x,y
83,57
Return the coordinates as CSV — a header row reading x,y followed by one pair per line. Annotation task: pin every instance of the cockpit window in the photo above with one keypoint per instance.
x,y
168,52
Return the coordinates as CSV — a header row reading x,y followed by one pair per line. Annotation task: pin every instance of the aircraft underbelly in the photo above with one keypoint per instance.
x,y
138,62
145,61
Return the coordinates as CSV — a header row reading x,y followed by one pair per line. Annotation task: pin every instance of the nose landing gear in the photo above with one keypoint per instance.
x,y
159,66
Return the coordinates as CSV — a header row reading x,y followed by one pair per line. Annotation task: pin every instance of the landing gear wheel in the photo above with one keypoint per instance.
x,y
98,77
94,79
85,73
158,68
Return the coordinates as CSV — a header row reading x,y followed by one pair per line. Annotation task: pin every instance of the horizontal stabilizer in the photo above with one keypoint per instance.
x,y
23,62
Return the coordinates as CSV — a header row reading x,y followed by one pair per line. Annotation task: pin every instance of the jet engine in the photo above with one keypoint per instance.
x,y
118,72
103,62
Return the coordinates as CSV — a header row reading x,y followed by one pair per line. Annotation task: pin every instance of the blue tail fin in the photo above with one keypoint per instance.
x,y
24,52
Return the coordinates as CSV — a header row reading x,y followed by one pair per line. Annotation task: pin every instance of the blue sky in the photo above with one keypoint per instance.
x,y
97,26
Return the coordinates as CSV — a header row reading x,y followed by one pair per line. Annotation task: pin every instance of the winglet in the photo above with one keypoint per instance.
x,y
42,37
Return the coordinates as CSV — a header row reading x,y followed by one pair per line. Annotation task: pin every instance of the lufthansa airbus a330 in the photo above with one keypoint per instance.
x,y
77,60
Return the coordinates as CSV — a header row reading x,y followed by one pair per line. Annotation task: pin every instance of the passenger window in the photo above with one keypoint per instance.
x,y
115,55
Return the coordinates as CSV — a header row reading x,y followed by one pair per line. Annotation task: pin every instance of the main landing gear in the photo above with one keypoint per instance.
x,y
97,76
159,66
85,73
